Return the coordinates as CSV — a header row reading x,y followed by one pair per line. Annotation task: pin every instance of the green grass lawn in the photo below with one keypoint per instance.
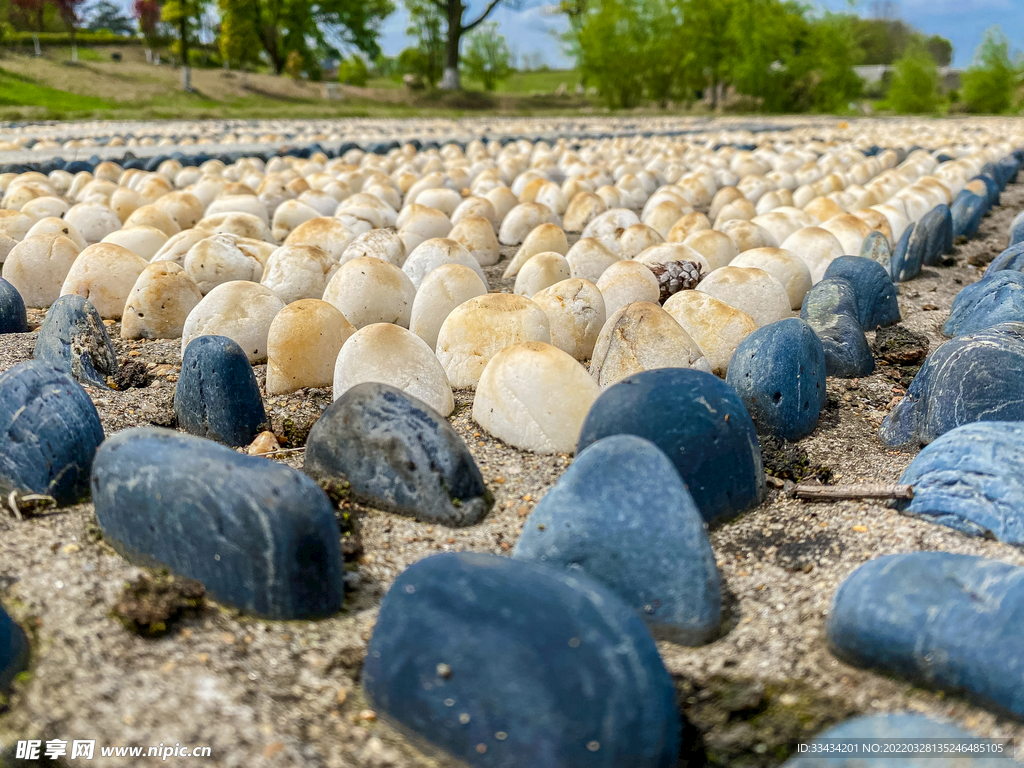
x,y
18,91
519,82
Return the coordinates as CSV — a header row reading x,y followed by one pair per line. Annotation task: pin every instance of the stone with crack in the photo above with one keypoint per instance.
x,y
73,338
398,454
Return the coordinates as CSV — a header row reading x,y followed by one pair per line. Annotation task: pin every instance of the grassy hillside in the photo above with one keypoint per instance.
x,y
52,87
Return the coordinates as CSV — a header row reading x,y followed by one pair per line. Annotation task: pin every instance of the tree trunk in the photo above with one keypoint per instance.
x,y
186,71
74,46
451,81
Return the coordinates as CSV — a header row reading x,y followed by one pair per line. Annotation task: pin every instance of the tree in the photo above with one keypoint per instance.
x,y
68,10
940,49
353,71
106,15
914,87
239,42
988,84
31,12
185,16
452,12
488,58
147,14
426,24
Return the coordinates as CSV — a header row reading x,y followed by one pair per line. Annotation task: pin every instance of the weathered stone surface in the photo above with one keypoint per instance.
x,y
397,454
785,266
240,310
752,291
779,373
716,327
997,299
660,563
540,272
967,211
259,535
1011,259
830,308
876,248
74,339
702,426
974,377
217,396
624,282
544,238
159,303
816,246
49,432
641,337
969,479
38,266
478,329
390,354
589,258
219,259
144,242
576,314
938,223
367,291
545,669
13,318
476,234
535,397
296,272
951,622
436,252
874,291
303,345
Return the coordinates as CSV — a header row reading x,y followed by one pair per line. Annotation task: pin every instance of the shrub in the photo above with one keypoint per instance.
x,y
353,71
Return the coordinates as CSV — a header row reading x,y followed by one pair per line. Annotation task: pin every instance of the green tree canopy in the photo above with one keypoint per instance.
x,y
488,58
988,84
914,87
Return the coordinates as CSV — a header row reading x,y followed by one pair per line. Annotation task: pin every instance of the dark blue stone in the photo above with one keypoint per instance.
x,y
991,187
876,248
998,299
1017,229
970,479
938,222
659,563
975,377
1011,259
78,166
507,663
1006,170
945,621
874,290
899,253
830,308
217,395
699,422
779,373
913,257
259,535
889,728
12,309
13,650
73,338
49,433
968,210
399,455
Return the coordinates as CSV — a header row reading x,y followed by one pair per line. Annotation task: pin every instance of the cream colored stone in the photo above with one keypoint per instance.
x,y
38,266
503,200
540,272
441,291
535,397
152,216
444,200
218,259
94,220
389,354
626,282
716,247
265,442
747,235
53,225
240,310
297,272
589,258
104,274
239,204
522,220
44,207
544,238
367,291
143,241
476,206
236,223
749,290
159,303
716,327
477,236
303,344
325,232
383,244
817,247
666,252
583,208
636,238
641,337
687,225
785,266
289,215
478,329
849,230
609,226
663,216
183,207
576,314
431,254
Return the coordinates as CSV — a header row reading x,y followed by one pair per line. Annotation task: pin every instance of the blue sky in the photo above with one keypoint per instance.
x,y
531,30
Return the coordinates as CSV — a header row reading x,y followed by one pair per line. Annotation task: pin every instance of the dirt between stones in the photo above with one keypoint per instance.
x,y
263,693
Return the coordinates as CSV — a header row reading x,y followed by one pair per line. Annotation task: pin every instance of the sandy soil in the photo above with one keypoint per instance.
x,y
263,693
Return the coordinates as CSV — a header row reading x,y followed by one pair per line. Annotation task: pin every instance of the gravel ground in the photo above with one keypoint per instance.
x,y
263,693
